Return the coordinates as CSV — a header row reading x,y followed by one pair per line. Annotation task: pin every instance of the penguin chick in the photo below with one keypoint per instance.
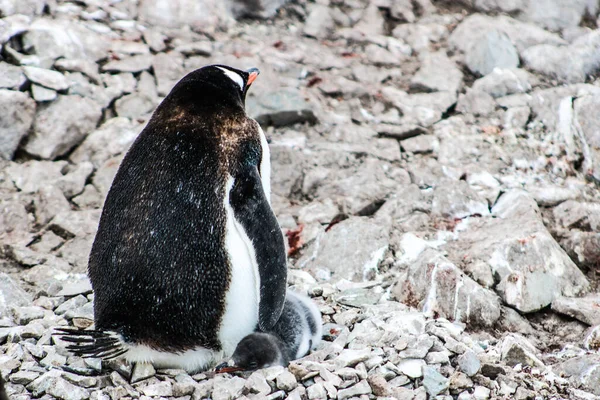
x,y
188,258
298,330
256,351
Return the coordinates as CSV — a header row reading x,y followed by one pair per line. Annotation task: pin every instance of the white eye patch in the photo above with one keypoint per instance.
x,y
234,77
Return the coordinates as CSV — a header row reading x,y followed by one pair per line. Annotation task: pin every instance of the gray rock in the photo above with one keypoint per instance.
x,y
82,286
555,15
200,48
14,220
134,105
286,381
493,50
42,94
583,248
164,388
111,139
15,122
469,363
11,77
26,7
421,36
24,315
516,349
423,109
73,182
52,39
522,254
434,382
319,23
413,368
86,67
49,202
361,388
142,371
71,304
137,63
437,73
522,35
504,81
62,389
573,214
570,64
476,102
280,108
45,77
349,358
457,200
168,71
590,130
61,125
11,294
316,391
32,175
360,242
228,389
584,369
516,117
585,309
203,16
184,385
23,377
417,349
431,282
76,223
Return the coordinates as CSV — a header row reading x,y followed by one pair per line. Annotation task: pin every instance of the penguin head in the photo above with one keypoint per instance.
x,y
212,89
255,351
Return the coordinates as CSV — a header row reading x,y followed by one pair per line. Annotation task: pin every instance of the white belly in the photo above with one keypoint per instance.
x,y
242,298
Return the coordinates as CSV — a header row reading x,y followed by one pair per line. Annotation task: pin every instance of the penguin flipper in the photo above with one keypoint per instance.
x,y
250,204
92,343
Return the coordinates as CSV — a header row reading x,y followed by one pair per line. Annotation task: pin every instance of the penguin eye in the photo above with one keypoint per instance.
x,y
253,365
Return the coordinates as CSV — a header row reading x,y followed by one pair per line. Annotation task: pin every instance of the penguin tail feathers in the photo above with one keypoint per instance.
x,y
92,343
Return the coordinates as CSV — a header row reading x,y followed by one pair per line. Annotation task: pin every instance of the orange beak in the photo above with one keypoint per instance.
x,y
252,75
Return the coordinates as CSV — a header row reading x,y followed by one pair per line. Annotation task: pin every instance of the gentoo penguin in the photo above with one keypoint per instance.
x,y
298,331
3,395
189,257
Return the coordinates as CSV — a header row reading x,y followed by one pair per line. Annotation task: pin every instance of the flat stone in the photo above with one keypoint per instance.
x,y
412,368
350,357
434,382
570,64
286,381
142,371
61,125
469,363
11,77
86,67
421,144
76,223
163,388
316,391
76,288
23,377
201,16
137,63
168,70
437,73
17,117
523,35
476,102
24,315
493,50
361,388
47,78
585,309
319,23
362,243
283,107
42,94
504,81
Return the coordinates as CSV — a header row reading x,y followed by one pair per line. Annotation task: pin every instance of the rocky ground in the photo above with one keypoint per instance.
x,y
435,169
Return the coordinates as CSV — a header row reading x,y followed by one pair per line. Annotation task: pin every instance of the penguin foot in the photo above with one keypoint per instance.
x,y
92,343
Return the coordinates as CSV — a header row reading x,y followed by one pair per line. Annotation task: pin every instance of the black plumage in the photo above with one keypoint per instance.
x,y
158,266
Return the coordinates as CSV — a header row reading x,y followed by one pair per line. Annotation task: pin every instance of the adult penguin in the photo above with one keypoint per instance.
x,y
188,258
